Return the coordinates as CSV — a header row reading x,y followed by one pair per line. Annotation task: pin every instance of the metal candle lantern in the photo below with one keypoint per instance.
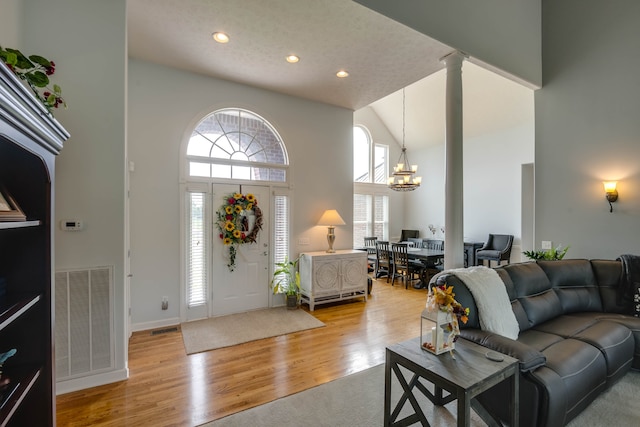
x,y
435,330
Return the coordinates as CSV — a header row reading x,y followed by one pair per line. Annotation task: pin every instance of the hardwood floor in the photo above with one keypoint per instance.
x,y
168,388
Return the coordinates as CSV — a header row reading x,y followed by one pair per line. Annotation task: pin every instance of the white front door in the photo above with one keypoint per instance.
x,y
247,287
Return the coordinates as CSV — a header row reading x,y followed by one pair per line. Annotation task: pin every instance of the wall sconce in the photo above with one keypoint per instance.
x,y
331,218
611,193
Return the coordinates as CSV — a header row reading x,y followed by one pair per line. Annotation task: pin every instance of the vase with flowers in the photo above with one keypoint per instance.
x,y
443,310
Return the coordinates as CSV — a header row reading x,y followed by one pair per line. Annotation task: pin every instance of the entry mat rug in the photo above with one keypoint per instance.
x,y
225,331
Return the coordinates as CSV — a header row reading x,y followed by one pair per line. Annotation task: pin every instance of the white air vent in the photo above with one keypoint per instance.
x,y
84,322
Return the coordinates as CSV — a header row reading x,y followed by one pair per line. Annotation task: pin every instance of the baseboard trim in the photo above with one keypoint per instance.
x,y
76,384
156,324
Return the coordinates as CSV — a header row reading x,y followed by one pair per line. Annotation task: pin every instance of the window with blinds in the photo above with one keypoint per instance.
x,y
381,217
362,218
281,228
197,251
370,217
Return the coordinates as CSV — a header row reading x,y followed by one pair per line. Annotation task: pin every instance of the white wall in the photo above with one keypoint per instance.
x,y
587,127
11,13
503,33
87,41
164,106
368,118
492,191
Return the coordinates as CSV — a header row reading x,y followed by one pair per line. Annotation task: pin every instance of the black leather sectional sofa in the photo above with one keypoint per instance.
x,y
575,339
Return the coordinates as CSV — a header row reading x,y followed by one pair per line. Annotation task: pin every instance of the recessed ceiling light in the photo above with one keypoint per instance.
x,y
342,73
292,59
221,37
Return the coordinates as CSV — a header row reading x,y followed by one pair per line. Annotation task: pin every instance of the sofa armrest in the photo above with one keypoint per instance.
x,y
529,357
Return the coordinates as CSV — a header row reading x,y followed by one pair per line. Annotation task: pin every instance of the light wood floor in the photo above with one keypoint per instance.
x,y
168,388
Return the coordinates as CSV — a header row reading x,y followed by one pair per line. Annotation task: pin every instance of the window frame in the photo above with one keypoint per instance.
x,y
211,161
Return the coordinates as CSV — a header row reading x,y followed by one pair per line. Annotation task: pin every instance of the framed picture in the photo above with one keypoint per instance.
x,y
9,209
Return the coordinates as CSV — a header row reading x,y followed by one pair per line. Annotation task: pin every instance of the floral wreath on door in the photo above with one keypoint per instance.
x,y
239,221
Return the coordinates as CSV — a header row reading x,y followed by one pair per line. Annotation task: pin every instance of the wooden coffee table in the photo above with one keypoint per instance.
x,y
463,377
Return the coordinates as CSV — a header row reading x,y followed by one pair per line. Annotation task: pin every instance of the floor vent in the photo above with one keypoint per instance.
x,y
84,322
164,331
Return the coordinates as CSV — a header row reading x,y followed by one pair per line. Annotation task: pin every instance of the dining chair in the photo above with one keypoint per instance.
x,y
497,248
401,265
383,259
406,234
435,244
417,242
433,266
370,246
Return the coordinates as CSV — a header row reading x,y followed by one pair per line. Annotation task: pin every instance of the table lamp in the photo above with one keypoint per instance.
x,y
331,218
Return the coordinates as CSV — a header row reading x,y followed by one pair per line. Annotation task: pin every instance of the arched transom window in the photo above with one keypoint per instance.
x,y
236,144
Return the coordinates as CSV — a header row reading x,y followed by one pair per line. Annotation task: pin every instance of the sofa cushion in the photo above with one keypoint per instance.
x,y
566,326
608,274
533,290
616,344
574,283
521,316
574,375
631,323
614,341
539,340
541,307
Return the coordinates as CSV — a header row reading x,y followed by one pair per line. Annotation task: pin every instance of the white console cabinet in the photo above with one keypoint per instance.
x,y
328,277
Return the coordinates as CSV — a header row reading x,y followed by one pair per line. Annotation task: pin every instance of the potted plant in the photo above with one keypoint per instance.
x,y
553,254
286,280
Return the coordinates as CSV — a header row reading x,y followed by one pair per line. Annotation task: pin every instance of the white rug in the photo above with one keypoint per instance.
x,y
225,331
358,401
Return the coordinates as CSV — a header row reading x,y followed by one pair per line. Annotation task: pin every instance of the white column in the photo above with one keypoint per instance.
x,y
453,210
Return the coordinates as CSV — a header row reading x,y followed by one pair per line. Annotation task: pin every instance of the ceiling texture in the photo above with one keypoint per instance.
x,y
382,56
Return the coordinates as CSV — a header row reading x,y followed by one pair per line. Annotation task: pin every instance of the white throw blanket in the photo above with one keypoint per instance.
x,y
492,300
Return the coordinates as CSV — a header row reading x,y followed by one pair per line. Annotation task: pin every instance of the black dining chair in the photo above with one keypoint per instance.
x,y
383,259
497,248
372,257
433,244
406,234
433,266
416,241
402,268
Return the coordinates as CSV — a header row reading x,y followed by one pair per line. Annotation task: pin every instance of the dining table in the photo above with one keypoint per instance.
x,y
424,254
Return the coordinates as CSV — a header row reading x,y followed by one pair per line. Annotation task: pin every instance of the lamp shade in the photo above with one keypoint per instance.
x,y
610,186
331,217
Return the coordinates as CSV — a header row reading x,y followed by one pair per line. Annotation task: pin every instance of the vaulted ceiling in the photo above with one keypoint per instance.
x,y
382,57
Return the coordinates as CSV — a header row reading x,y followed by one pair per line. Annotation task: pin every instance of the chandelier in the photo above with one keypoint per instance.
x,y
403,177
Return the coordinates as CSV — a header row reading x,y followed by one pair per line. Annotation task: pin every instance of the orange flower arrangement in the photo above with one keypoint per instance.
x,y
442,298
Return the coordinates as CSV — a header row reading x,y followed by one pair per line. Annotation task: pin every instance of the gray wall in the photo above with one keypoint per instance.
x,y
587,127
503,33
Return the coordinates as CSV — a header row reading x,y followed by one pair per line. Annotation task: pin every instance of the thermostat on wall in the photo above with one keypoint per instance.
x,y
71,225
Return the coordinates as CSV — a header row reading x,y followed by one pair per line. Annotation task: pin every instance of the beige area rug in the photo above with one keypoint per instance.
x,y
358,401
225,331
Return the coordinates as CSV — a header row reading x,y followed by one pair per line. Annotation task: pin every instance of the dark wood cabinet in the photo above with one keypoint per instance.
x,y
30,138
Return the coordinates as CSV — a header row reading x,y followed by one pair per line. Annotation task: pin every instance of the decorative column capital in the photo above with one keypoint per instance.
x,y
454,59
